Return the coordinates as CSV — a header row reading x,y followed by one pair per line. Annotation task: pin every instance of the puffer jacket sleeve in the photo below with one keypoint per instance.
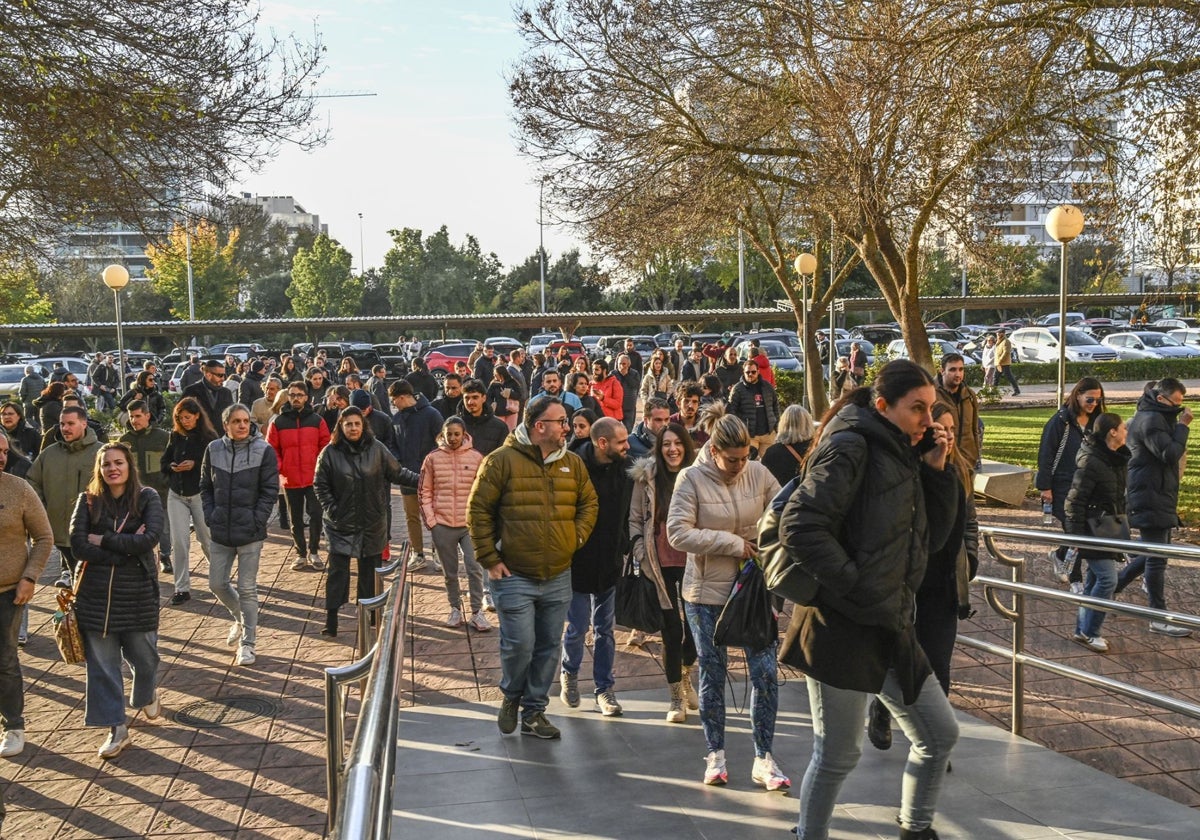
x,y
482,509
206,484
426,486
639,509
811,525
1083,488
323,481
137,544
81,526
268,487
1166,441
683,531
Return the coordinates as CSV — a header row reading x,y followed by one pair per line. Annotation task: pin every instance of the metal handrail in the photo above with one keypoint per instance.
x,y
359,785
1016,614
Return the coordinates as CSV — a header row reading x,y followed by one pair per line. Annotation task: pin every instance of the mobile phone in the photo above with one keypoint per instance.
x,y
927,443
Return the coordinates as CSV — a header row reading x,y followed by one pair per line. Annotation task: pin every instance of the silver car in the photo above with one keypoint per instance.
x,y
1149,345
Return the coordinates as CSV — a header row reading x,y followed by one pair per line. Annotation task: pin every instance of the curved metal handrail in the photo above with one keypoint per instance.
x,y
360,784
1019,590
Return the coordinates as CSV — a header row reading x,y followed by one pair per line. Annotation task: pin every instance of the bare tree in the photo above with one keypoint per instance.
x,y
117,110
890,117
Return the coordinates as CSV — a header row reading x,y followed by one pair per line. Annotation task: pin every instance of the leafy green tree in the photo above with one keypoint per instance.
x,y
77,293
322,285
571,286
21,301
375,294
215,274
433,275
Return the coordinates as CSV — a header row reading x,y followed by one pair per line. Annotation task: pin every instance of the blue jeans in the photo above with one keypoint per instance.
x,y
242,603
182,513
106,684
600,612
531,614
1101,582
714,663
838,730
12,689
1155,568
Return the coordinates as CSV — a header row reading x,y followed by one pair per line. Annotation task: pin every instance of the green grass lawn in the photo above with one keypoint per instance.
x,y
1014,436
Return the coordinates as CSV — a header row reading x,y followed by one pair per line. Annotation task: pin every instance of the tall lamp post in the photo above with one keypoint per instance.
x,y
806,264
116,277
362,259
542,241
1064,223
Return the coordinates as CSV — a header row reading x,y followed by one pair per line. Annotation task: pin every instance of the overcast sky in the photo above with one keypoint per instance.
x,y
434,146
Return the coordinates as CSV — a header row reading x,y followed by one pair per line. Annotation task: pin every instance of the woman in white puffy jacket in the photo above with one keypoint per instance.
x,y
714,517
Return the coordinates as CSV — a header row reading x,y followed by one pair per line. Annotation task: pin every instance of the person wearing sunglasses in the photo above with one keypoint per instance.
x,y
531,508
211,392
1061,438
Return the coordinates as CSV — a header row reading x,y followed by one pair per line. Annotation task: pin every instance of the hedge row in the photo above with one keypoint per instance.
x,y
790,385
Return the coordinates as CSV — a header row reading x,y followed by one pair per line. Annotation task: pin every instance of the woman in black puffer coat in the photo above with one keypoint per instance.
x,y
1098,488
114,532
354,474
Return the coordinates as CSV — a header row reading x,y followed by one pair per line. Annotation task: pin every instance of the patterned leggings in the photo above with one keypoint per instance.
x,y
764,698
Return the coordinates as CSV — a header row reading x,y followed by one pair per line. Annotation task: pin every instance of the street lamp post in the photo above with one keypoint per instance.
x,y
362,260
805,264
1064,223
542,241
116,277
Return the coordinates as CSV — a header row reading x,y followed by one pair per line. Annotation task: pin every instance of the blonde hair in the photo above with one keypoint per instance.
x,y
729,432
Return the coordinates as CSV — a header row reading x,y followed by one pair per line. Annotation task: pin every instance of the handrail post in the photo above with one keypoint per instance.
x,y
1018,646
335,738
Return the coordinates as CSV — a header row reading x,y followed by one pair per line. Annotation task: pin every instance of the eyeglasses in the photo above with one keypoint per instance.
x,y
220,375
1090,400
562,421
752,372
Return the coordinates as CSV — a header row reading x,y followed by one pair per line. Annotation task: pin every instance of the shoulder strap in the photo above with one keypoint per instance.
x,y
1062,447
795,454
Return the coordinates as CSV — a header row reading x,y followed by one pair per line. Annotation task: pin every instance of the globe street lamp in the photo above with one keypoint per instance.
x,y
1064,223
116,277
806,264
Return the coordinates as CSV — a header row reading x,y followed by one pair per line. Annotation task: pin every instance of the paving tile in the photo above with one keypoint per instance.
x,y
218,784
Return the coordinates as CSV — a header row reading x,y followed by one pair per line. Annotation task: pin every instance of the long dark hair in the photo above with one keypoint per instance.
x,y
98,491
1104,424
192,406
664,479
336,437
940,409
892,382
54,391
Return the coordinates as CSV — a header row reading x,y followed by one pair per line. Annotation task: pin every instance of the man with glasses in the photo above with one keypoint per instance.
x,y
757,404
211,392
532,507
957,394
1158,436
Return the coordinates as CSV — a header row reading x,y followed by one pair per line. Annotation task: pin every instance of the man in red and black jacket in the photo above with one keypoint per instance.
x,y
298,434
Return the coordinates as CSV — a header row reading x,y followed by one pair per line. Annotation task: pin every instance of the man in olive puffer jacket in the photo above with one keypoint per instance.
x,y
530,510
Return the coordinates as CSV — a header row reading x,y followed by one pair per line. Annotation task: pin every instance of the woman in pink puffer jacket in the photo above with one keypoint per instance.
x,y
447,476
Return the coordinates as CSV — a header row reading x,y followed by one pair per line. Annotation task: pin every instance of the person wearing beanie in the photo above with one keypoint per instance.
x,y
379,423
251,388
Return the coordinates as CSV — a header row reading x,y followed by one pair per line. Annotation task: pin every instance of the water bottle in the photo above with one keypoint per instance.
x,y
1072,553
1047,513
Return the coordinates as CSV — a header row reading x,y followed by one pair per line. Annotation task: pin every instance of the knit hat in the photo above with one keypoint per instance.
x,y
360,398
257,366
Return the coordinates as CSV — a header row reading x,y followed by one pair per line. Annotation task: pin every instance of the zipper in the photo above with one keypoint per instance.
x,y
112,572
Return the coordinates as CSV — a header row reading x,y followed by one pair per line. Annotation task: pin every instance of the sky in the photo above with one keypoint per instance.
x,y
435,146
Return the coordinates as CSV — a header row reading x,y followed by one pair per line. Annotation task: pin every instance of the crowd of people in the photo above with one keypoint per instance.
x,y
536,477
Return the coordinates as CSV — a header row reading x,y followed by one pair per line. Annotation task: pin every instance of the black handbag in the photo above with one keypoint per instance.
x,y
637,604
1110,526
783,575
748,617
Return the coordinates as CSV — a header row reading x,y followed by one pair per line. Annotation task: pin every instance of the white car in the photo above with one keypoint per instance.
x,y
1040,344
74,364
1149,345
937,347
1186,336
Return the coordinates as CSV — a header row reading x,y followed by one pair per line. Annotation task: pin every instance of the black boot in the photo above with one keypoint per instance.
x,y
879,725
330,628
924,834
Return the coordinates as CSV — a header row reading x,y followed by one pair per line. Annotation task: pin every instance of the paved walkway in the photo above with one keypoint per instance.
x,y
249,762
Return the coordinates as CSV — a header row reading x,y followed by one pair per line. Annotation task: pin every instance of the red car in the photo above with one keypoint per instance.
x,y
575,348
442,358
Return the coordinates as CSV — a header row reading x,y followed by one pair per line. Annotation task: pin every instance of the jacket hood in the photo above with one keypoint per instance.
x,y
422,402
1148,401
466,443
871,425
643,469
519,439
89,437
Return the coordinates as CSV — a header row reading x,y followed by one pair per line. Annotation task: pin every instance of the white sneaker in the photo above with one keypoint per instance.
x,y
488,603
117,740
480,622
300,563
1061,566
152,709
314,561
1077,587
636,638
767,773
607,705
235,634
455,619
245,655
1097,643
12,743
1157,627
714,768
416,563
65,581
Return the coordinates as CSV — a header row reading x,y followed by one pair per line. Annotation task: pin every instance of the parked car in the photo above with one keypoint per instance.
x,y
1040,344
1176,323
788,338
11,376
876,333
441,359
575,348
503,344
938,347
590,342
74,364
176,375
1147,344
1098,328
778,354
1051,320
394,357
541,341
1189,336
844,347
610,346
